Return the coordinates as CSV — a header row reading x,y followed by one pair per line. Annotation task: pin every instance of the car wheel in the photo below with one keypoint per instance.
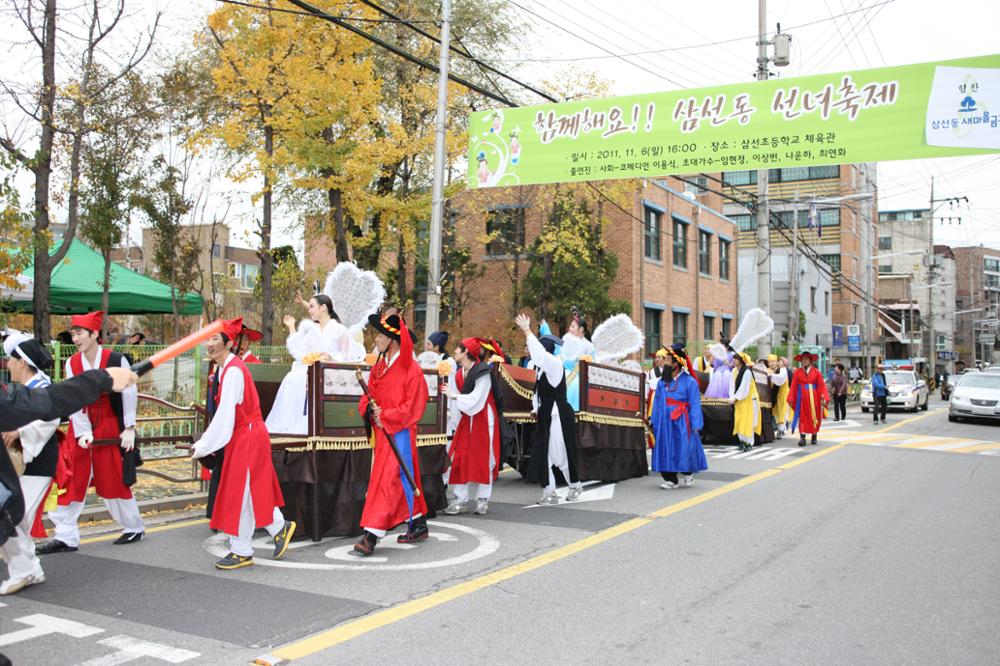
x,y
864,410
926,401
953,418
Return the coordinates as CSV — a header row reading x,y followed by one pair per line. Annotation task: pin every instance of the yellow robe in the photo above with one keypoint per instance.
x,y
746,413
780,408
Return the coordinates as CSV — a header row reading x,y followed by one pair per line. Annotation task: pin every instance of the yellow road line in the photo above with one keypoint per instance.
x,y
377,620
976,447
931,441
151,530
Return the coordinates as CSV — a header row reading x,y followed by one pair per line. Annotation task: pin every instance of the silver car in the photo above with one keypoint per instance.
x,y
906,390
976,395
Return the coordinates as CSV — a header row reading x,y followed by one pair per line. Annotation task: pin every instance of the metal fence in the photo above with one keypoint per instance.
x,y
180,381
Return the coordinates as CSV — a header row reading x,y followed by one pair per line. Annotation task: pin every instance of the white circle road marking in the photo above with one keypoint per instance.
x,y
487,545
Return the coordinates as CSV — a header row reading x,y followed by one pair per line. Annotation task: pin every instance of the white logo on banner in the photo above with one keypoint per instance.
x,y
964,108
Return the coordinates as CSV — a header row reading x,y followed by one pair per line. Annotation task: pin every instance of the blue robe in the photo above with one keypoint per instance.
x,y
677,449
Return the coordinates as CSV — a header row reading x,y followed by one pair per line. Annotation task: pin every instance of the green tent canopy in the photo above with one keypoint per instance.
x,y
77,287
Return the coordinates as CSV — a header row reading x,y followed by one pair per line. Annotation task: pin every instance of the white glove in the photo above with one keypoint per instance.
x,y
84,441
128,439
195,453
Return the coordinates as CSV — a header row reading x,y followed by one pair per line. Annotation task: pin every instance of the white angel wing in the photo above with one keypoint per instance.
x,y
355,294
428,359
616,337
755,325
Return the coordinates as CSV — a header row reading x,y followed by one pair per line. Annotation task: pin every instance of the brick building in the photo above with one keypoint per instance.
x,y
676,257
977,302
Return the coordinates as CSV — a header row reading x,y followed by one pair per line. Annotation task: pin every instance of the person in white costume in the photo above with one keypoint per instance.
x,y
320,337
575,345
27,362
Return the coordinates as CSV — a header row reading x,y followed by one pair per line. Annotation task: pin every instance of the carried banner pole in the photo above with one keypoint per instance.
x,y
178,348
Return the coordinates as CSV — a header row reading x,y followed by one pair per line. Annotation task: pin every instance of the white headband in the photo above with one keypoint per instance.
x,y
13,343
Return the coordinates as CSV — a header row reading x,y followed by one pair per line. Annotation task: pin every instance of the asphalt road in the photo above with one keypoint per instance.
x,y
879,545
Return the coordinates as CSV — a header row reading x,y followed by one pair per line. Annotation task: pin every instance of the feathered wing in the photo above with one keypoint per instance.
x,y
755,325
616,337
355,294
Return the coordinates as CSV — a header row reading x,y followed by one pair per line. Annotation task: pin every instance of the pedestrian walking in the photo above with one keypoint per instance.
x,y
677,421
838,387
880,395
249,496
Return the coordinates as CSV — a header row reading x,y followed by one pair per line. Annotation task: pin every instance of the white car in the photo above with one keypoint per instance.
x,y
976,395
906,390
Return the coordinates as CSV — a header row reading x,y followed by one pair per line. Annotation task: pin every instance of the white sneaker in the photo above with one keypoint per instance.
x,y
668,485
687,479
551,499
482,506
454,508
574,493
12,586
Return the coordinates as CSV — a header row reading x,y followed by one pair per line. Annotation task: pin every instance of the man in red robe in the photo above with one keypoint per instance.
x,y
249,496
807,397
475,448
98,465
241,345
398,398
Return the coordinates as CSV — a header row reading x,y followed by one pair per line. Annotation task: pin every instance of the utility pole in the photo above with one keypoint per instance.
x,y
763,258
932,339
793,274
437,194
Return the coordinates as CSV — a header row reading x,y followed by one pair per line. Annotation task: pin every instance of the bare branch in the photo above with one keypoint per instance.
x,y
15,152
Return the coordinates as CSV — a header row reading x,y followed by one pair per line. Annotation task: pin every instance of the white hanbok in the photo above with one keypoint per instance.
x,y
290,412
573,347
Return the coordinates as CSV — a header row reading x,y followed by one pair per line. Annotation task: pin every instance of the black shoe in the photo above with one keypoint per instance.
x,y
813,442
366,545
54,546
417,532
234,561
128,537
283,538
802,441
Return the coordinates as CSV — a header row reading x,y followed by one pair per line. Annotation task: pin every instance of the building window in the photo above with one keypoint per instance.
x,y
941,345
708,325
991,265
800,173
826,302
697,185
250,272
216,250
652,325
739,178
885,269
727,328
680,243
680,328
652,233
704,252
825,217
505,226
812,298
234,270
885,242
724,259
832,260
745,221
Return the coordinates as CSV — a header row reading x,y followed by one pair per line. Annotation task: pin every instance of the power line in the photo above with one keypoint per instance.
x,y
296,12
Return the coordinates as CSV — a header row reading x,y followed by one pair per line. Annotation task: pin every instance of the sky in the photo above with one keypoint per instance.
x,y
696,44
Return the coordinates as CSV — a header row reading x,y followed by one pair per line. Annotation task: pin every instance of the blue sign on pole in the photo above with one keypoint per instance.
x,y
838,336
853,338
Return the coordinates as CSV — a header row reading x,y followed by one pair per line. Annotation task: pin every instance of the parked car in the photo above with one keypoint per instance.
x,y
976,395
906,390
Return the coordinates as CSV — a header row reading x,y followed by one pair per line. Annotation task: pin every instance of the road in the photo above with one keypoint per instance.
x,y
879,545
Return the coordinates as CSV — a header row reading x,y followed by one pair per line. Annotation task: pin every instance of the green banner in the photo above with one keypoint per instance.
x,y
938,109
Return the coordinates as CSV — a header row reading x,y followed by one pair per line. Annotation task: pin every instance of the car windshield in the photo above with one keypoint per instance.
x,y
898,378
981,380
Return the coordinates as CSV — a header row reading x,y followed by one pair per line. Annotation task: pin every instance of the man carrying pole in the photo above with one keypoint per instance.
x,y
393,405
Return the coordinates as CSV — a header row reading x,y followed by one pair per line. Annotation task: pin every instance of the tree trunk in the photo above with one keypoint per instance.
x,y
401,274
336,200
266,260
43,172
106,285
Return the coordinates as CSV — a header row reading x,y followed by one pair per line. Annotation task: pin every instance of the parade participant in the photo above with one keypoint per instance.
x,y
249,496
575,345
475,449
677,422
321,337
398,398
98,465
703,363
746,407
38,444
720,379
437,342
241,345
808,398
838,387
779,377
554,444
660,366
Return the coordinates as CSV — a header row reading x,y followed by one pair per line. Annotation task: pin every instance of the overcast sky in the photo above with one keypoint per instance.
x,y
710,44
